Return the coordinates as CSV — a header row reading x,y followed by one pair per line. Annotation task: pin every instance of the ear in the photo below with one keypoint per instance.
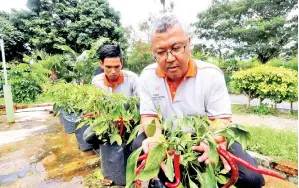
x,y
102,64
189,40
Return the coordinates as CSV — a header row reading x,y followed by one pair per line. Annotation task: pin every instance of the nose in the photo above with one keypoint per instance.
x,y
113,71
170,57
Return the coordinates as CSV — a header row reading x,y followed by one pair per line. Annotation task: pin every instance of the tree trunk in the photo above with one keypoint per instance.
x,y
53,75
249,99
291,107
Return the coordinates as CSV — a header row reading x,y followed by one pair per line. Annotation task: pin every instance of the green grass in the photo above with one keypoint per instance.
x,y
243,110
280,145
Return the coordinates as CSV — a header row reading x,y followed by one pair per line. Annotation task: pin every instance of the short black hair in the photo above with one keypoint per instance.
x,y
108,51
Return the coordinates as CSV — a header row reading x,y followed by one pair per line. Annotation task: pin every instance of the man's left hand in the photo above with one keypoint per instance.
x,y
204,148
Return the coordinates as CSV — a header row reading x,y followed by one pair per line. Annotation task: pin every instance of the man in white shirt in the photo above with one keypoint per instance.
x,y
180,85
114,79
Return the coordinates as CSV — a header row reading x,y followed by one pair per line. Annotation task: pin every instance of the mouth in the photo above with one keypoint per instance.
x,y
173,68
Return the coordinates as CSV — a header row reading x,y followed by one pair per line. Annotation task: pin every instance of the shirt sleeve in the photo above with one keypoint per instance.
x,y
135,86
147,106
218,102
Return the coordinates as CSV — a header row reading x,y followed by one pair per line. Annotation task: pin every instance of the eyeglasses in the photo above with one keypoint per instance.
x,y
177,50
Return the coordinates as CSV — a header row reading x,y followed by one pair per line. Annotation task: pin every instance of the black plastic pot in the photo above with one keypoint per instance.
x,y
113,162
83,145
70,121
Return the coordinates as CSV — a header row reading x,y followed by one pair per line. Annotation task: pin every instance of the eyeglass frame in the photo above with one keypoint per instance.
x,y
170,52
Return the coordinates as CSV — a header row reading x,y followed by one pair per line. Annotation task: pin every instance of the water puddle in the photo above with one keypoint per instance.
x,y
37,153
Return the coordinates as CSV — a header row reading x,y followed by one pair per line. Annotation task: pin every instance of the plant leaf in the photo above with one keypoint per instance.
x,y
131,167
169,169
152,166
133,134
209,178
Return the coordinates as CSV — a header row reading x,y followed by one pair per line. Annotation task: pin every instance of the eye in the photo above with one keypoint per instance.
x,y
176,48
161,53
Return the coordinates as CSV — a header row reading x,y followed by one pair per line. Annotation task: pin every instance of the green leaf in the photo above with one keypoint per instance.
x,y
131,167
133,134
166,124
242,136
213,154
169,169
209,178
99,130
81,124
152,166
150,129
222,179
115,138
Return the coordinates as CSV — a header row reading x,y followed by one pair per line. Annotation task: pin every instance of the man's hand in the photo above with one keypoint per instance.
x,y
149,143
204,148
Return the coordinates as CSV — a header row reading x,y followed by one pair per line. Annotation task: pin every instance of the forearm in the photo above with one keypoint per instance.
x,y
220,123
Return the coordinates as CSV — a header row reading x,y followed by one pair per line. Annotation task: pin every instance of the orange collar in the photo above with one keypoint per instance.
x,y
119,80
191,71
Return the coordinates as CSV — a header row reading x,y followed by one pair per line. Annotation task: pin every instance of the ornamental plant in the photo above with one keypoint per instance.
x,y
266,82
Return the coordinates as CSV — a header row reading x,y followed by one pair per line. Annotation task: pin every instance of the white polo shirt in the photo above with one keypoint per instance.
x,y
203,92
127,83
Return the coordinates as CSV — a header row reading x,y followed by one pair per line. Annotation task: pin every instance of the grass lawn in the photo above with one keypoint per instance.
x,y
243,110
277,144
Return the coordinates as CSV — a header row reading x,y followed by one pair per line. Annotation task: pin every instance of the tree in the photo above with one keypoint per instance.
x,y
140,57
74,23
250,27
14,39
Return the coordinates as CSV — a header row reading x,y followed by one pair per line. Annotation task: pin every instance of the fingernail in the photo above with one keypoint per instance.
x,y
227,167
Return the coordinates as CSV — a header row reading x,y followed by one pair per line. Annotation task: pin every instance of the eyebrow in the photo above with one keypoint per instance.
x,y
182,43
109,66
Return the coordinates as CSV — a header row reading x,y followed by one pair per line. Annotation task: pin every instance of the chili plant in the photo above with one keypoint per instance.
x,y
112,116
174,150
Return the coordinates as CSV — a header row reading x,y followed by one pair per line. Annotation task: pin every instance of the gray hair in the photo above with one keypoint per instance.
x,y
165,21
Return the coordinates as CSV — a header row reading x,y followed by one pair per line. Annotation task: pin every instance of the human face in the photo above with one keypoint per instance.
x,y
112,67
174,66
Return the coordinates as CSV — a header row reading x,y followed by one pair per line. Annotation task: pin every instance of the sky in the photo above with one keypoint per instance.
x,y
135,11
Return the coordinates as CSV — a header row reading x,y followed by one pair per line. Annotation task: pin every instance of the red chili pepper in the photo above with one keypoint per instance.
x,y
139,168
234,167
253,168
177,172
142,157
87,115
121,127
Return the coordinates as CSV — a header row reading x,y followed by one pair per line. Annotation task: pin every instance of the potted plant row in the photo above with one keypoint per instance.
x,y
113,118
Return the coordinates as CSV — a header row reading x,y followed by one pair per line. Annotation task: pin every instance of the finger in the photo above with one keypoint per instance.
x,y
209,161
197,148
201,148
219,139
225,163
145,147
203,157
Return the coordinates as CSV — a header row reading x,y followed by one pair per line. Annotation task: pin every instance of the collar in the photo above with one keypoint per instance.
x,y
119,80
191,71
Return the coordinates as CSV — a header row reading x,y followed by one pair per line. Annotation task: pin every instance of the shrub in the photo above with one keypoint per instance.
x,y
26,81
290,64
277,84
